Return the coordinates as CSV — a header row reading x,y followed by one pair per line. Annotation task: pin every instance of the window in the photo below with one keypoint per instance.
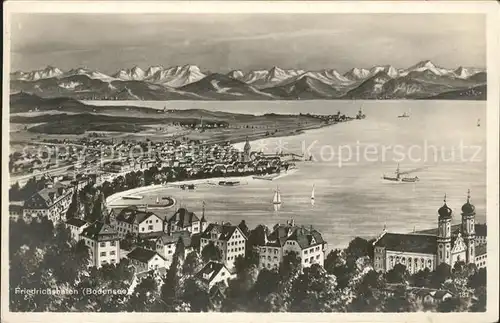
x,y
317,257
157,221
222,273
103,254
275,251
112,253
113,243
307,260
102,244
150,227
142,228
112,261
305,252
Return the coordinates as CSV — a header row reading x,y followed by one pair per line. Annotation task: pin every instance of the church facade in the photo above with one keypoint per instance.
x,y
420,251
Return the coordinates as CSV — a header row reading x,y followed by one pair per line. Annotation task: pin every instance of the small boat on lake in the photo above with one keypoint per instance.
x,y
277,197
479,122
312,196
132,197
405,115
229,183
399,178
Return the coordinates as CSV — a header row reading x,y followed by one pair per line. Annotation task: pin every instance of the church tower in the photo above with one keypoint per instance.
x,y
468,231
444,234
246,152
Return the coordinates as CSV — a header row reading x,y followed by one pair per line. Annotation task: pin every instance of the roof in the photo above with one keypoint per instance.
x,y
174,237
42,198
142,254
151,235
480,229
132,215
418,243
15,208
211,269
76,222
224,232
183,218
160,271
481,250
100,231
306,238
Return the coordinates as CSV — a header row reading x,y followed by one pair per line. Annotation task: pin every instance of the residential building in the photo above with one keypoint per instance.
x,y
103,242
308,245
183,220
167,244
144,260
228,238
52,202
76,227
132,220
214,272
419,251
481,256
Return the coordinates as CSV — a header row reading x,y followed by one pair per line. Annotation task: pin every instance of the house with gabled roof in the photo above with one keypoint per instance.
x,y
183,220
308,244
52,202
76,227
145,259
103,242
212,273
132,220
228,238
166,244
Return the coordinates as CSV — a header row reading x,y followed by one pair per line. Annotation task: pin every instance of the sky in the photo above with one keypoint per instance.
x,y
224,42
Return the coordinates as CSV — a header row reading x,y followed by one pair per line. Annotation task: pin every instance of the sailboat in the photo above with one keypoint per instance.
x,y
479,122
312,196
157,200
405,114
277,197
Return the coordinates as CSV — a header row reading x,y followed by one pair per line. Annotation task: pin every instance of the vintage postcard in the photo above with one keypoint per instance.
x,y
250,161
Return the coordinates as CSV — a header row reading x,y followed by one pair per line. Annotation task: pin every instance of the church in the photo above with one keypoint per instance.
x,y
420,251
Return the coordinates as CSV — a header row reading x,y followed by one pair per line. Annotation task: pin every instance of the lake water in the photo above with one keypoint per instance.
x,y
441,140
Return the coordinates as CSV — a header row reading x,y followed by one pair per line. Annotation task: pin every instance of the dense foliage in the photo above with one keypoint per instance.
x,y
44,257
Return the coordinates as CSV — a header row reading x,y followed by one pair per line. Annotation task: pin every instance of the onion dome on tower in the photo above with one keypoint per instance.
x,y
468,208
444,211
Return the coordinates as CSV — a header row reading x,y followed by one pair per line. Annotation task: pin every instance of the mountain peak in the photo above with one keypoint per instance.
x,y
426,63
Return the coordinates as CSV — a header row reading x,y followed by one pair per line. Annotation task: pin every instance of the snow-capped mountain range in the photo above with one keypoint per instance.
x,y
159,82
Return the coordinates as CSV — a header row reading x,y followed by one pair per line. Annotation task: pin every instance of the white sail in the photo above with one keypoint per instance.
x,y
157,200
312,193
277,197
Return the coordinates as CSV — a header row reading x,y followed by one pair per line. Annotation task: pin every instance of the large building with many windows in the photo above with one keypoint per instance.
x,y
52,202
229,239
103,242
308,244
418,251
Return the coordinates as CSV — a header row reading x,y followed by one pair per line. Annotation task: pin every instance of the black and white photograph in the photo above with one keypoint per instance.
x,y
260,160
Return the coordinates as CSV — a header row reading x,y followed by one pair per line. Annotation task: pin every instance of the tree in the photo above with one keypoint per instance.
x,y
144,296
440,275
478,279
171,288
211,253
74,207
192,264
357,248
196,295
421,278
397,275
314,291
